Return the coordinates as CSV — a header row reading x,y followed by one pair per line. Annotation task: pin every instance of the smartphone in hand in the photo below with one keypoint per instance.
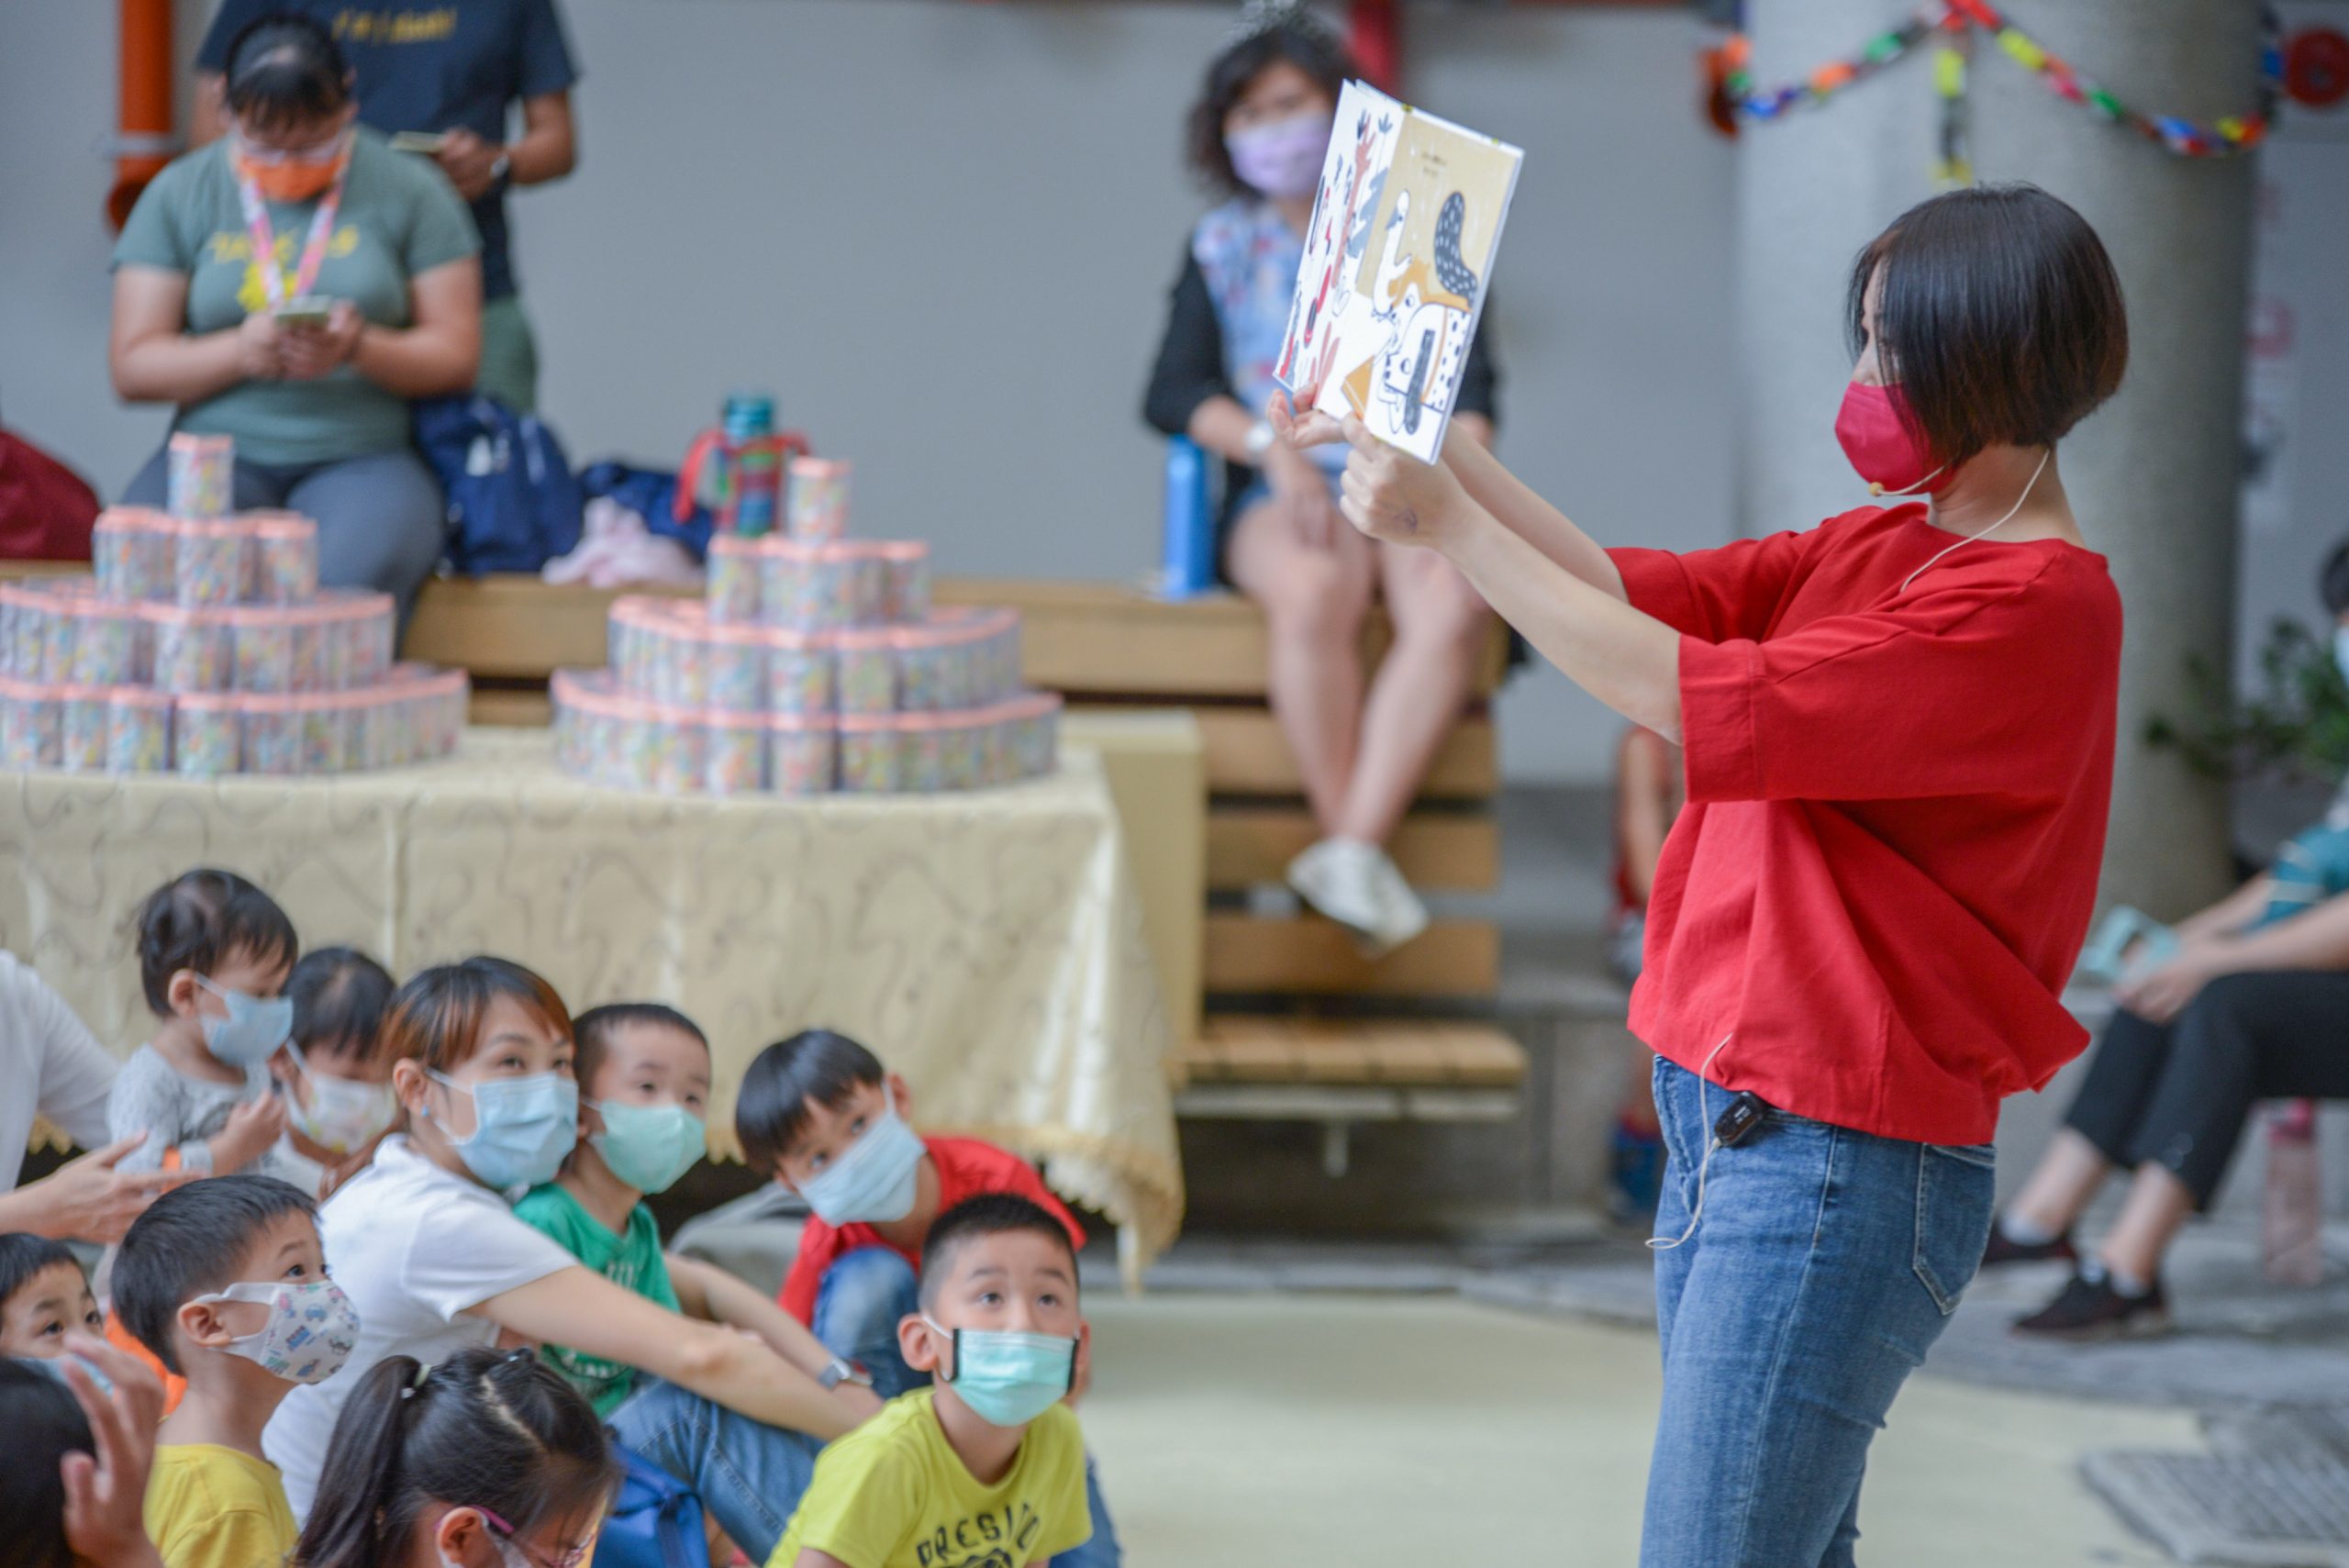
x,y
308,310
428,142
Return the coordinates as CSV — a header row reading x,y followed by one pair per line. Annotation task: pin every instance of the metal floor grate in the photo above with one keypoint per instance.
x,y
2272,1511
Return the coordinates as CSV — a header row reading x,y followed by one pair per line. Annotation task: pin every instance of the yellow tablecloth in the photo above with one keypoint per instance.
x,y
988,946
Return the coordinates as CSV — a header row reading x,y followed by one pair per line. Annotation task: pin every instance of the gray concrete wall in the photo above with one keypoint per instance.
x,y
943,233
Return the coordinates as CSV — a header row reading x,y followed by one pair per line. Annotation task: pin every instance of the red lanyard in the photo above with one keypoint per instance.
x,y
314,247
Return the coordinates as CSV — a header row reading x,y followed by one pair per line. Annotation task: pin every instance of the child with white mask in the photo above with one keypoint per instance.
x,y
225,1280
336,1084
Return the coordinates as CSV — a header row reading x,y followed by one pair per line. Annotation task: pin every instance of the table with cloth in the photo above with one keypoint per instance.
x,y
987,945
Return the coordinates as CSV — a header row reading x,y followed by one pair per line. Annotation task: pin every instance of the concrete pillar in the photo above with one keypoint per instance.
x,y
2154,476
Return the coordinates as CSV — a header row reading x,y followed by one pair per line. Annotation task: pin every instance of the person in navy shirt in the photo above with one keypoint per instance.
x,y
454,68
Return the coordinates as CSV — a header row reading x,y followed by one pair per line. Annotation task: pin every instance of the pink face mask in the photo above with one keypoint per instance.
x,y
1876,438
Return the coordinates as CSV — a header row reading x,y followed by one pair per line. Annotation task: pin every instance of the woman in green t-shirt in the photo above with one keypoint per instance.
x,y
219,277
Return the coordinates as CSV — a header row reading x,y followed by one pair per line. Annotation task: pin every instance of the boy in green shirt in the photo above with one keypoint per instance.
x,y
985,1467
643,1071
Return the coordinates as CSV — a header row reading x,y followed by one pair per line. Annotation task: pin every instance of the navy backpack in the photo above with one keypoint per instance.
x,y
514,504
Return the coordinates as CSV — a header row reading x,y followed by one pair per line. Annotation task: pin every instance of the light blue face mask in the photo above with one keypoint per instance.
x,y
2341,650
522,1128
253,1029
648,1147
1009,1379
874,1180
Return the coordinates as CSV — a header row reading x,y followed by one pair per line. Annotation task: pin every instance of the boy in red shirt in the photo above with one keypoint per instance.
x,y
821,1114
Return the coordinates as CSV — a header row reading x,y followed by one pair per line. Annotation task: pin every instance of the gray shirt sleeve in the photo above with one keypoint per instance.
x,y
150,1098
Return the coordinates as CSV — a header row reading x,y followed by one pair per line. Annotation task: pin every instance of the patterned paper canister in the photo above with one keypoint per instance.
x,y
803,753
818,507
139,730
869,760
207,734
200,476
734,570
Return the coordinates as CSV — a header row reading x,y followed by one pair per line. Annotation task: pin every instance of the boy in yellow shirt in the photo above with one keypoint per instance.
x,y
985,1467
225,1280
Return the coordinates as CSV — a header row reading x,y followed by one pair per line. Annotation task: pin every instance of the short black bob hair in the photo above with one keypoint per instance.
x,y
1293,35
771,1112
987,1214
284,69
1997,312
200,921
188,1244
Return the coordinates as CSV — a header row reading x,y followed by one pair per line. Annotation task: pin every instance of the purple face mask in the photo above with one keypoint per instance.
x,y
1282,160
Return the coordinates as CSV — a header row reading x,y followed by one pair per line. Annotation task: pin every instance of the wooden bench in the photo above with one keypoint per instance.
x,y
1261,1051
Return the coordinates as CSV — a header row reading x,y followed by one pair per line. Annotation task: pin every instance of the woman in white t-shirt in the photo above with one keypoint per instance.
x,y
424,1243
51,1066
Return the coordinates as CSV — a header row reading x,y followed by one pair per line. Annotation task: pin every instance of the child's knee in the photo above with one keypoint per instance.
x,y
866,1292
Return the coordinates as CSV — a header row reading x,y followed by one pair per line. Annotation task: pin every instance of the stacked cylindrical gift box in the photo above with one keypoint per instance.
x,y
204,645
814,663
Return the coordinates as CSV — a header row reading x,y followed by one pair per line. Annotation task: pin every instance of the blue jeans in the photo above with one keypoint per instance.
x,y
749,1475
862,1299
1826,1264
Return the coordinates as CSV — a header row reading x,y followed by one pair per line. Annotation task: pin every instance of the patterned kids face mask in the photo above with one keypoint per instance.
x,y
311,1331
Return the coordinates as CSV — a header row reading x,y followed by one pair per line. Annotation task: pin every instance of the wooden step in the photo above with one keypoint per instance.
x,y
1450,851
513,625
1101,638
510,708
1402,1052
1247,754
1251,955
1089,637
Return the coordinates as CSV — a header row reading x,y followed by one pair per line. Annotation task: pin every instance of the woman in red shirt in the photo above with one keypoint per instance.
x,y
1899,733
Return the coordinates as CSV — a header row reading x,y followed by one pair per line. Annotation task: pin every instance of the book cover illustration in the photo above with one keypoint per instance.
x,y
1398,261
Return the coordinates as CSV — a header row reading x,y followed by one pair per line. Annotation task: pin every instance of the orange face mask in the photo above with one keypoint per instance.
x,y
296,179
290,182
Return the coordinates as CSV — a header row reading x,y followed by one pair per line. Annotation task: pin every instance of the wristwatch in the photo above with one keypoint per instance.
x,y
1261,436
502,171
841,1372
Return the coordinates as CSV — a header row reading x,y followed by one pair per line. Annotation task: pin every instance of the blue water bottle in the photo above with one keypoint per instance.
x,y
1187,567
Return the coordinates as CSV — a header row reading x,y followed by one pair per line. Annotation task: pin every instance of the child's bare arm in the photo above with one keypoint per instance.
x,y
811,1558
706,1291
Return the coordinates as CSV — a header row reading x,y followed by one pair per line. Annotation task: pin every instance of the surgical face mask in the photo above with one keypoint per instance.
x,y
344,1114
2341,650
253,1029
1875,435
1283,159
522,1128
648,1147
312,1328
873,1180
1009,1379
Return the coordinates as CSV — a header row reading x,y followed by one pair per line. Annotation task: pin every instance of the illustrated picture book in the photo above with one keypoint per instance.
x,y
1397,262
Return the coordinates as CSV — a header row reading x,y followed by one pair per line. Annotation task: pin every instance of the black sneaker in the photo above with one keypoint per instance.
x,y
2092,1309
2003,1249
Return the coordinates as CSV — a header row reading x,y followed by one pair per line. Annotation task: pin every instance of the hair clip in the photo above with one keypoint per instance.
x,y
423,1370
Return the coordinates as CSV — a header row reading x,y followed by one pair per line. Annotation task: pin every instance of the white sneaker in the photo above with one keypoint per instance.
x,y
1357,885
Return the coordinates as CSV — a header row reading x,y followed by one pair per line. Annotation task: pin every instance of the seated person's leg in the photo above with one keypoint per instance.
x,y
1314,596
865,1294
1421,689
382,522
750,1476
1102,1550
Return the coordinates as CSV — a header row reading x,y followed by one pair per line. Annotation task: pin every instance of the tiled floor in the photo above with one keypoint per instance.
x,y
1371,1431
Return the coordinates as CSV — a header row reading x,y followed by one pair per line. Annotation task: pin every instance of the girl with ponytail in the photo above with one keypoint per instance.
x,y
489,1460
